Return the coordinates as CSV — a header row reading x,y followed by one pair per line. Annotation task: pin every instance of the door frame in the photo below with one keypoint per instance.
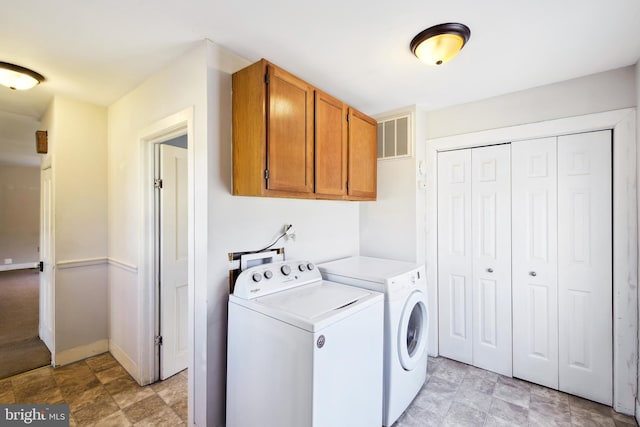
x,y
180,123
46,297
625,232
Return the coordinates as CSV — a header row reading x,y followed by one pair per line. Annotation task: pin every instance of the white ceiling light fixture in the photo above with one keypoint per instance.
x,y
18,78
440,43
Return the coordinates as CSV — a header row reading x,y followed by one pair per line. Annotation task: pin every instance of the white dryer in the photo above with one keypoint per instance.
x,y
405,326
302,351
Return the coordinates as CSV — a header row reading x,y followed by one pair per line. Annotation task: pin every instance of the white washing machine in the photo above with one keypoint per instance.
x,y
302,351
406,322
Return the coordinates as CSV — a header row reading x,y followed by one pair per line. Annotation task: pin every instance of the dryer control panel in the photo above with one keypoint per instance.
x,y
266,279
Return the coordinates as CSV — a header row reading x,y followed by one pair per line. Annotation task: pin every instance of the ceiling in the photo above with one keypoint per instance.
x,y
357,50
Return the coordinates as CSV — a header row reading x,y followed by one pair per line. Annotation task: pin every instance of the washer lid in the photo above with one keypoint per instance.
x,y
313,306
311,302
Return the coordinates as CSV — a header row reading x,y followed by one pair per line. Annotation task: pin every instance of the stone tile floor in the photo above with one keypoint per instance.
x,y
456,394
101,393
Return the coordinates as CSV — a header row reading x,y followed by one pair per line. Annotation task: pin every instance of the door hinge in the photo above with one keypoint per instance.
x,y
266,78
158,340
347,185
266,174
157,183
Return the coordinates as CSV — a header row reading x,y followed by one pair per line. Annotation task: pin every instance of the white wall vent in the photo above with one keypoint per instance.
x,y
394,137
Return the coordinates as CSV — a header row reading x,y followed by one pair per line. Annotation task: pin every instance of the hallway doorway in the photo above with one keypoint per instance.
x,y
20,346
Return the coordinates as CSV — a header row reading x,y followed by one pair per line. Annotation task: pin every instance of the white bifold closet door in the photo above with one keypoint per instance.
x,y
474,256
535,261
455,265
562,263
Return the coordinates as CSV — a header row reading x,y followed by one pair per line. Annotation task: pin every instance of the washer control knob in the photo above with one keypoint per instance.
x,y
256,277
310,266
286,270
268,274
302,267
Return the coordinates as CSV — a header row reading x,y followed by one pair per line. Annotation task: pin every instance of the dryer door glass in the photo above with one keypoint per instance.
x,y
414,329
412,334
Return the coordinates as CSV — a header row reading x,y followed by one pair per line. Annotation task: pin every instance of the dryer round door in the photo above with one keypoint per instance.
x,y
412,331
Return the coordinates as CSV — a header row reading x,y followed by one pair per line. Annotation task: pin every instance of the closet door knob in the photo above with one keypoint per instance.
x,y
489,270
532,273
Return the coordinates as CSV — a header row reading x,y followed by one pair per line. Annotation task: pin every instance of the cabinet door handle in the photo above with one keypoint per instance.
x,y
532,273
489,270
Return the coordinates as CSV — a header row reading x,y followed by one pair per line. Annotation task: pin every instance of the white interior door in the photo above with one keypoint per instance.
x,y
534,252
46,317
491,237
455,255
585,265
173,260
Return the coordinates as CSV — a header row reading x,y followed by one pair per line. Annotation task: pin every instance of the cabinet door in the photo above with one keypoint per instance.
x,y
455,255
585,265
330,146
363,156
289,133
534,268
491,242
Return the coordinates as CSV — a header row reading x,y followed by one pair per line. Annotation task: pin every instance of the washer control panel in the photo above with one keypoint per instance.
x,y
266,279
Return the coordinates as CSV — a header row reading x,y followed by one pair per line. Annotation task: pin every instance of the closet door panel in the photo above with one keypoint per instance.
x,y
534,252
454,255
491,241
585,265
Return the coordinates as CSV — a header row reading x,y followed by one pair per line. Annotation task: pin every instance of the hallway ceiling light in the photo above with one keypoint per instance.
x,y
440,43
18,78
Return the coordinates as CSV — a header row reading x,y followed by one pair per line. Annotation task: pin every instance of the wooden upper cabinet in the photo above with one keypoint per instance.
x,y
330,146
293,140
289,132
272,133
363,156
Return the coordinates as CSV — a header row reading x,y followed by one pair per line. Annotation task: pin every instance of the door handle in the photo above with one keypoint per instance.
x,y
489,270
532,273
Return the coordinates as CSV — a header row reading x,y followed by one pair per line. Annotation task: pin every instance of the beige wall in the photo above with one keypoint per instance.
x,y
19,214
78,160
393,225
610,90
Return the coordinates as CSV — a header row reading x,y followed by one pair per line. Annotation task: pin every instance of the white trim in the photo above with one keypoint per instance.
x,y
23,266
625,233
167,128
66,357
637,411
76,263
127,362
122,265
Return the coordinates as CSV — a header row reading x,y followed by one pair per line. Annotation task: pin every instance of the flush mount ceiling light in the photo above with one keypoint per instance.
x,y
440,43
18,78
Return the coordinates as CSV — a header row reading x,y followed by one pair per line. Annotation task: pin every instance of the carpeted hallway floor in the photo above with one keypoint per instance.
x,y
20,347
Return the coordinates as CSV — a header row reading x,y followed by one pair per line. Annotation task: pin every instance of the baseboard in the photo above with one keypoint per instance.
x,y
637,412
22,266
123,358
82,352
